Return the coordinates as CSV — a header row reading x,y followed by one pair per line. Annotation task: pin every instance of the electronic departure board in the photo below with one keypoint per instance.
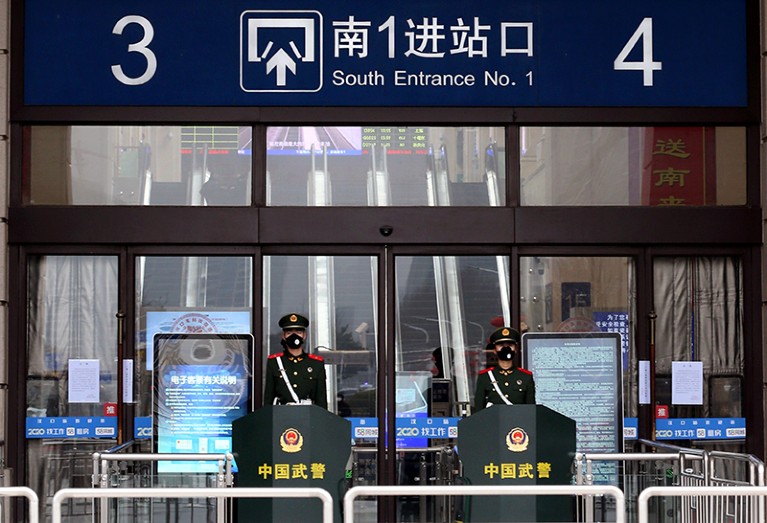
x,y
343,141
579,375
396,139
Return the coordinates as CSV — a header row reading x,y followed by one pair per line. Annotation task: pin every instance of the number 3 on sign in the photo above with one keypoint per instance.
x,y
140,47
647,66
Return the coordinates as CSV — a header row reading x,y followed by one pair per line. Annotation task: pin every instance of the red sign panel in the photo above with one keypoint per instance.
x,y
679,166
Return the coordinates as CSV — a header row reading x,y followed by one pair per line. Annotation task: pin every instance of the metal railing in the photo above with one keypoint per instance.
x,y
486,490
753,469
101,473
224,476
675,467
438,465
716,499
664,466
25,492
631,472
221,493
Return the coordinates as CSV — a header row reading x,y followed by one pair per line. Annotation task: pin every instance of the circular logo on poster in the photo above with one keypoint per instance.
x,y
193,323
578,324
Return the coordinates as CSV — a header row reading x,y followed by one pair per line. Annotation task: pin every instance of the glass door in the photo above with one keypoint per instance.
x,y
699,355
446,307
71,374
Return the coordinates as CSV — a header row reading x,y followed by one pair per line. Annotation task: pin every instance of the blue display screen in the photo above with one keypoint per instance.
x,y
202,385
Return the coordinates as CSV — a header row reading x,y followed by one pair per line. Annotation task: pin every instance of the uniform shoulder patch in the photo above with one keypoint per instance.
x,y
315,357
272,356
485,371
526,371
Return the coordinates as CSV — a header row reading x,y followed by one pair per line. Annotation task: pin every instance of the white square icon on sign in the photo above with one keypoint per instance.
x,y
281,51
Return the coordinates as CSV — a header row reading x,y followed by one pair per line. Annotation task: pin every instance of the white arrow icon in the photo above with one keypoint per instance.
x,y
281,61
282,41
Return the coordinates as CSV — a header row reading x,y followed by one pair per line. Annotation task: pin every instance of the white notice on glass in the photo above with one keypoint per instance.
x,y
687,382
127,381
644,382
83,381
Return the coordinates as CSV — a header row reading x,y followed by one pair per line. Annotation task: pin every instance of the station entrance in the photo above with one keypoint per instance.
x,y
410,178
440,308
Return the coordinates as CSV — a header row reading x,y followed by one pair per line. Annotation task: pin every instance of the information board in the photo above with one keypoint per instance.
x,y
341,141
202,383
579,375
551,53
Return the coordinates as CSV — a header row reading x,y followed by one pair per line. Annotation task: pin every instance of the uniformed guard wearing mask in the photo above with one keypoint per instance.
x,y
504,383
293,376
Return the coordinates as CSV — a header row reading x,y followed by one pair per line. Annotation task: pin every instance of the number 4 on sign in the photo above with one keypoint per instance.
x,y
647,66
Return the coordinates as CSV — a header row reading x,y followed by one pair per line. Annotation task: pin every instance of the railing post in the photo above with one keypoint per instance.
x,y
104,483
26,492
486,490
177,493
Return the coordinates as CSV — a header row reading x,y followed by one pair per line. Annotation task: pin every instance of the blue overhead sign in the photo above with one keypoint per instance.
x,y
556,53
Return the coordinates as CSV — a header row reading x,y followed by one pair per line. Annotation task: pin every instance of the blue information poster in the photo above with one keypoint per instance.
x,y
202,384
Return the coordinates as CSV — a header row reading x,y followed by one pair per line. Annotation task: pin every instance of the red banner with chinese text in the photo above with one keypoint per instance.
x,y
679,166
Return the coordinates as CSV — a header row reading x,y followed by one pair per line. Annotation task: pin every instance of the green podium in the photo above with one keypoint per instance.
x,y
518,445
290,446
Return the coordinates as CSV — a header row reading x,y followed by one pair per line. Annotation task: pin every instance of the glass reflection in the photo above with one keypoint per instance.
x,y
446,307
651,166
382,166
72,367
583,294
187,294
338,296
139,165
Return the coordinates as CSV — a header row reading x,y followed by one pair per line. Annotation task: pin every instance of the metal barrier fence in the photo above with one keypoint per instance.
x,y
663,466
632,472
724,504
102,478
220,493
486,490
26,492
675,467
753,473
224,476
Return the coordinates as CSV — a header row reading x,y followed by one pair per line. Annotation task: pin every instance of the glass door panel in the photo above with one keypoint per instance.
x,y
584,294
195,296
381,166
72,371
699,348
338,295
445,309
